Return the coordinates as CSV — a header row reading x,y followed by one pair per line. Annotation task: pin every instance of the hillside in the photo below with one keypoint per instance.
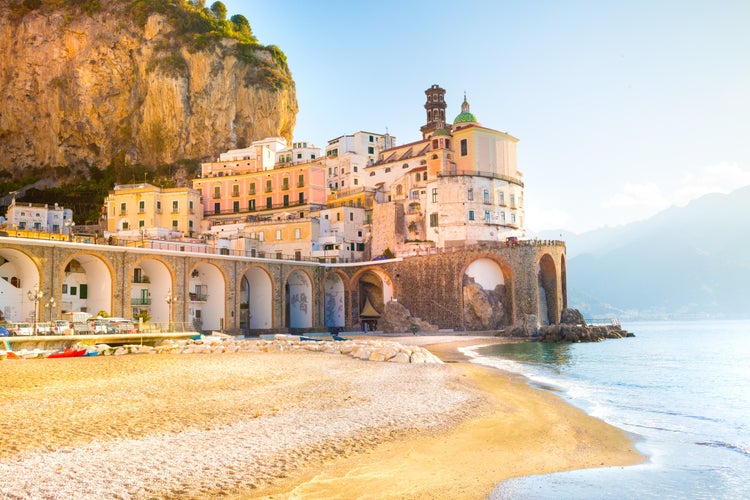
x,y
90,82
682,263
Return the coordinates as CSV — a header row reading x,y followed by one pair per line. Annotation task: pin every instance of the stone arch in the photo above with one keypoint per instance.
x,y
256,299
486,293
19,272
547,286
207,296
334,299
298,299
373,285
151,279
88,284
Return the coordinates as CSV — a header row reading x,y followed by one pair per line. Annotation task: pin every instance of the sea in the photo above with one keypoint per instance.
x,y
681,390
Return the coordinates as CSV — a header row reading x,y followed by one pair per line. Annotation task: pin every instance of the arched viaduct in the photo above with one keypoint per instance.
x,y
254,295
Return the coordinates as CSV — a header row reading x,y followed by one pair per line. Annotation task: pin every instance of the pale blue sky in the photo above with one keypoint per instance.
x,y
621,108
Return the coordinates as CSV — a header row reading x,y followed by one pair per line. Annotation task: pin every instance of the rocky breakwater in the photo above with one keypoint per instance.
x,y
368,350
572,328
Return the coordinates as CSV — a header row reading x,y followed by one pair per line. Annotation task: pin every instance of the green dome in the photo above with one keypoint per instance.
x,y
466,116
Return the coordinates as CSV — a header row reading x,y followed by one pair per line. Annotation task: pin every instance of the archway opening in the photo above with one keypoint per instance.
x,y
334,301
256,300
207,294
298,302
547,285
87,286
18,275
151,284
374,292
486,302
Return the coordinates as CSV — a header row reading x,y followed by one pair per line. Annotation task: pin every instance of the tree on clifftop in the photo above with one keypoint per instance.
x,y
219,10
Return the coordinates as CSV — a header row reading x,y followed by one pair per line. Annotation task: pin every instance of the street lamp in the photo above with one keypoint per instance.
x,y
35,296
70,225
51,304
170,300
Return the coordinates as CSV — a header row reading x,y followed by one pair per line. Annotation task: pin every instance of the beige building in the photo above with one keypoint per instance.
x,y
459,185
136,211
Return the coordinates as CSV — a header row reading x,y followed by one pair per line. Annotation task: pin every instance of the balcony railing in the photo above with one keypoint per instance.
x,y
198,297
140,301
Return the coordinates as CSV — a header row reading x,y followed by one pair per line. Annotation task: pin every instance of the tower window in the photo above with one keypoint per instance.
x,y
464,147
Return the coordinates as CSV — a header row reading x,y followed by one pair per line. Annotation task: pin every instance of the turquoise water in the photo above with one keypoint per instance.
x,y
681,389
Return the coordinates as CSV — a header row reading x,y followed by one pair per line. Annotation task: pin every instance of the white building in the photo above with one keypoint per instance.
x,y
39,217
348,155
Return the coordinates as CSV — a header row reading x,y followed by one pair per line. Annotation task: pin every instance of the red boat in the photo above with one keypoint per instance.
x,y
68,353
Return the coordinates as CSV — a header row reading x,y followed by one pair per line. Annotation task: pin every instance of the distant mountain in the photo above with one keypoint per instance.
x,y
685,262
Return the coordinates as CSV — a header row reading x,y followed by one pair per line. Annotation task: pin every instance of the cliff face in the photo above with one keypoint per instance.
x,y
91,89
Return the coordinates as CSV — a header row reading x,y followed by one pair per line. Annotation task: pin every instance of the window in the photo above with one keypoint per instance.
x,y
464,147
251,205
236,190
158,207
512,200
372,139
486,196
356,182
470,194
297,233
123,208
73,290
355,168
301,180
502,197
83,291
371,150
252,188
487,216
125,226
417,177
285,183
269,202
301,198
217,192
286,200
399,190
471,214
141,223
261,236
190,204
299,156
502,217
338,216
387,169
235,206
141,206
190,224
175,206
351,216
269,185
217,208
433,220
424,176
434,195
174,223
278,234
512,218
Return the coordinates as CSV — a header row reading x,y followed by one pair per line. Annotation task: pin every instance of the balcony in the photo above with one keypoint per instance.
x,y
198,297
140,301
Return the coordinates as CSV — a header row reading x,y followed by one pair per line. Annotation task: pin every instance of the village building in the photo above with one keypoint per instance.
x,y
137,212
39,218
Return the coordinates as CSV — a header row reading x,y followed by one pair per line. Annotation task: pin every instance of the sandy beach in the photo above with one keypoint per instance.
x,y
284,425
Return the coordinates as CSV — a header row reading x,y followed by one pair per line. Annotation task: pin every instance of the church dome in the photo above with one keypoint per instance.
x,y
466,115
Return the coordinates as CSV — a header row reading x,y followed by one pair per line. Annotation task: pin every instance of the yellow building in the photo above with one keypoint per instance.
x,y
135,210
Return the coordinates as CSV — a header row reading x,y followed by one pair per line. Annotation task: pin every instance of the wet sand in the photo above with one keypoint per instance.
x,y
282,425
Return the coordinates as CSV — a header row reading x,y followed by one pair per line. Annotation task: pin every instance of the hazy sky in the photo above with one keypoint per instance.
x,y
622,108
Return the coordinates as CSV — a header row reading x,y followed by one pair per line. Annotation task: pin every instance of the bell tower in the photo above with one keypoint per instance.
x,y
435,107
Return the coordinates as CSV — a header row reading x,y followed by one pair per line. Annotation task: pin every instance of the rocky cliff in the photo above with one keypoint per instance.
x,y
140,81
